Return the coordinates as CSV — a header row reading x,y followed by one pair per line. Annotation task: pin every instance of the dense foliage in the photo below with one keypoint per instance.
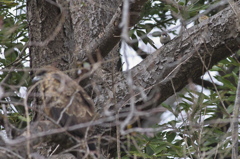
x,y
200,122
14,60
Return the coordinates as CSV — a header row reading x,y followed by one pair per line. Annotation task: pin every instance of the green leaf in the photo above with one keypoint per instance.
x,y
170,136
140,33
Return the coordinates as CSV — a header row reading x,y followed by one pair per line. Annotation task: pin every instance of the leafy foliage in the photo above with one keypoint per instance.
x,y
201,124
158,15
13,36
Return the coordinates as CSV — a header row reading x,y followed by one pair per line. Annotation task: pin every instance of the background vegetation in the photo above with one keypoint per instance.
x,y
199,125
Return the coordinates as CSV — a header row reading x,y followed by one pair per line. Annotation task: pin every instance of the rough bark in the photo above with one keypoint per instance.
x,y
63,32
183,59
167,70
50,34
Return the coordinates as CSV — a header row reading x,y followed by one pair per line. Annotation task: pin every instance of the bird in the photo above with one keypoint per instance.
x,y
64,100
165,38
202,18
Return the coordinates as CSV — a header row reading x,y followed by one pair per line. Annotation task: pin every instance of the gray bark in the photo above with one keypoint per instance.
x,y
185,58
63,34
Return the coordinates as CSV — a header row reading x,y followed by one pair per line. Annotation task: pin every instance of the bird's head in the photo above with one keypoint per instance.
x,y
42,73
164,34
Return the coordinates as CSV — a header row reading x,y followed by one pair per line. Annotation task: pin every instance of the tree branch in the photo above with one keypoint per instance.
x,y
234,122
178,61
106,40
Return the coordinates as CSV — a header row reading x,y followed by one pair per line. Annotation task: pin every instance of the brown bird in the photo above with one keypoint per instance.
x,y
64,100
202,18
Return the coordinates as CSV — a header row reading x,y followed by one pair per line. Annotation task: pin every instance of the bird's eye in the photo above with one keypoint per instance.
x,y
40,73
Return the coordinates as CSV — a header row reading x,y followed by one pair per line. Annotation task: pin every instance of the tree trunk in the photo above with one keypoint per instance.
x,y
66,33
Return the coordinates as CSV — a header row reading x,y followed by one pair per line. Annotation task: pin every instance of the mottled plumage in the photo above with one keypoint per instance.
x,y
63,99
202,18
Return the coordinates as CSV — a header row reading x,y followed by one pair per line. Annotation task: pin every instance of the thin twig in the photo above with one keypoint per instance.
x,y
13,153
235,122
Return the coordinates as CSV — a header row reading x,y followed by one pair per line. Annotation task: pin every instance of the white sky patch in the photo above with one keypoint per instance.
x,y
2,53
132,57
212,74
22,92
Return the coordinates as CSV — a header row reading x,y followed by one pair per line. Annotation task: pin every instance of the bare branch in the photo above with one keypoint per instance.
x,y
106,40
234,123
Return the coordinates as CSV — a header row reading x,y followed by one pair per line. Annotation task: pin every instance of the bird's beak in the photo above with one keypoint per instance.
x,y
36,79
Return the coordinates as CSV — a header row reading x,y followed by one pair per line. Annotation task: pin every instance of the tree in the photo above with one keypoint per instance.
x,y
72,34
